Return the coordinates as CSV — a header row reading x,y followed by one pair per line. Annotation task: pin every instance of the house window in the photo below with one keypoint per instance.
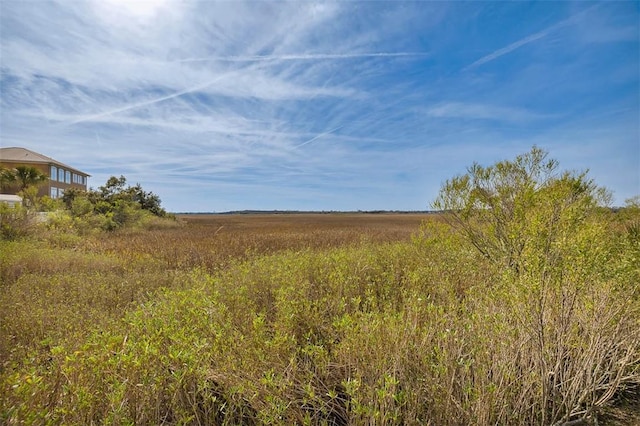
x,y
54,173
67,178
79,179
54,191
60,175
60,192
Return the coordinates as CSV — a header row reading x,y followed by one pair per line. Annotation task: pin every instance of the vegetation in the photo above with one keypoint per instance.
x,y
27,176
18,220
111,206
7,177
515,210
14,221
25,180
510,316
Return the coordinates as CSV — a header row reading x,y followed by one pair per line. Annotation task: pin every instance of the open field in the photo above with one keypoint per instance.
x,y
316,228
313,319
212,240
306,221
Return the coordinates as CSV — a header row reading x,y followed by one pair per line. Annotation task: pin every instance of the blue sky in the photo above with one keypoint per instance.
x,y
219,106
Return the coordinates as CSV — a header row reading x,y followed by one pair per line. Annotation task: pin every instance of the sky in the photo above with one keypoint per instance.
x,y
342,105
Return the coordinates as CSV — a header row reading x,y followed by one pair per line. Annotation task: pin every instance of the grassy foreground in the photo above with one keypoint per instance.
x,y
315,319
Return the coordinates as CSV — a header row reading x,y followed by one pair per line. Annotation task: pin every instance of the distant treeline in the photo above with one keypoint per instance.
x,y
316,212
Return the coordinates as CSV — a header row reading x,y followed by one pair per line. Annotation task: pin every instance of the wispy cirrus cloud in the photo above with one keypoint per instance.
x,y
307,57
336,105
475,111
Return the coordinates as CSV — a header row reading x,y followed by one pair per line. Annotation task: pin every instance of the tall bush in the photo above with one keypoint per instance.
x,y
514,209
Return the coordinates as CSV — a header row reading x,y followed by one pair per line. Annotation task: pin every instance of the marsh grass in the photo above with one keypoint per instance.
x,y
326,319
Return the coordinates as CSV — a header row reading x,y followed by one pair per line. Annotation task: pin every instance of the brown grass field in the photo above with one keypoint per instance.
x,y
380,225
212,240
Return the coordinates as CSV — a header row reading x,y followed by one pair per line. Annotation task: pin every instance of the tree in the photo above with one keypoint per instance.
x,y
7,177
513,207
115,203
27,176
113,189
116,189
633,202
70,194
147,200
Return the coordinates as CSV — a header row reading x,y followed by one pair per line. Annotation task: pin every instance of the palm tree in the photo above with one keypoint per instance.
x,y
7,177
29,176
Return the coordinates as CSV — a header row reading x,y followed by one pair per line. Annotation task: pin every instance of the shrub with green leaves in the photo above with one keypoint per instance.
x,y
15,221
112,206
515,211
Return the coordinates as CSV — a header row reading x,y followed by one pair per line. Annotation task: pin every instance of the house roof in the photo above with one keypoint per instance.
x,y
26,156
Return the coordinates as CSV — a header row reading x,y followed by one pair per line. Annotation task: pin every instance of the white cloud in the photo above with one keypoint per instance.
x,y
114,12
482,112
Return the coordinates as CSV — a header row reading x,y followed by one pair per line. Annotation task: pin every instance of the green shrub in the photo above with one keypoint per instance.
x,y
15,221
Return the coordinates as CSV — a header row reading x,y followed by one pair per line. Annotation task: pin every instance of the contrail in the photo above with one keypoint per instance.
x,y
510,48
531,38
145,103
316,137
304,57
